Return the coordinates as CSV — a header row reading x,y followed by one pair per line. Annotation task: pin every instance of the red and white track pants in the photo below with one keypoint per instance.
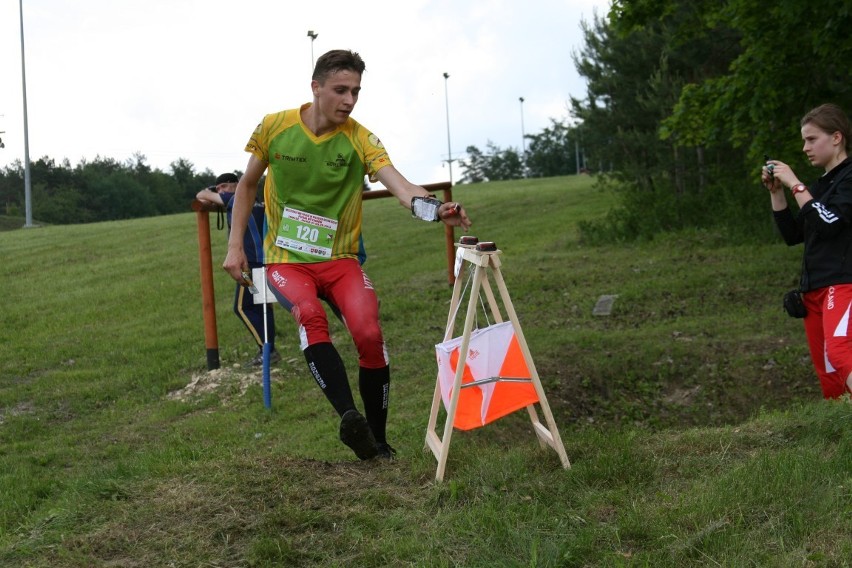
x,y
342,283
827,330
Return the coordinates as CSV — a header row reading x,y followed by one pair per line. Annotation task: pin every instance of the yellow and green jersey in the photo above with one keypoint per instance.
x,y
313,186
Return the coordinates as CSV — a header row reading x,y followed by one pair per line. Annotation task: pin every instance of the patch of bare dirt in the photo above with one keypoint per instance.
x,y
229,382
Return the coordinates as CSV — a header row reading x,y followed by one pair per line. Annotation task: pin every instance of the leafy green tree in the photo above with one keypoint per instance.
x,y
553,151
685,98
473,168
60,205
503,164
495,164
12,188
792,57
637,70
183,172
632,85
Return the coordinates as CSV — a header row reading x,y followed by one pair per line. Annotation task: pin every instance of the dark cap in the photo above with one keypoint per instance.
x,y
227,178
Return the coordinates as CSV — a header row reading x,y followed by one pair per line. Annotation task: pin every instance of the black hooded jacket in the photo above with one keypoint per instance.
x,y
824,224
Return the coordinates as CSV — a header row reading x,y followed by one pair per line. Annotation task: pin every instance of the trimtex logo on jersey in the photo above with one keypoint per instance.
x,y
340,162
287,158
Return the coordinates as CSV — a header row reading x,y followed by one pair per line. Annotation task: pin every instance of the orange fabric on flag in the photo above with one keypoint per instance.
x,y
509,397
470,399
493,351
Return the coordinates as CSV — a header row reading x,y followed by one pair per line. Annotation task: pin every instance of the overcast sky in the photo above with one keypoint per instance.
x,y
190,79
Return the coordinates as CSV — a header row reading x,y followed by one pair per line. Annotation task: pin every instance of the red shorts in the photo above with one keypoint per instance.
x,y
300,289
827,329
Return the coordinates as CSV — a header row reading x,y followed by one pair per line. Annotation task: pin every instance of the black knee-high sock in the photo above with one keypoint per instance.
x,y
374,385
330,374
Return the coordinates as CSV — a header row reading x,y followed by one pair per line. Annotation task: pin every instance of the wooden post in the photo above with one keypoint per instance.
x,y
208,298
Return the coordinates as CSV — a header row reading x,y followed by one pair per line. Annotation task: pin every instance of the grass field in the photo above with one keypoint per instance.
x,y
691,415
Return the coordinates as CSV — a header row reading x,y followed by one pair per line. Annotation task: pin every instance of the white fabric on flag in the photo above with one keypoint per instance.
x,y
486,353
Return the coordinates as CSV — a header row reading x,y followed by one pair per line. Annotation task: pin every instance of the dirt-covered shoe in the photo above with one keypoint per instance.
x,y
356,433
274,357
385,452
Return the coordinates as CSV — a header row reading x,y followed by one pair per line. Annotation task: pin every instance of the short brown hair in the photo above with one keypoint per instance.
x,y
337,60
830,118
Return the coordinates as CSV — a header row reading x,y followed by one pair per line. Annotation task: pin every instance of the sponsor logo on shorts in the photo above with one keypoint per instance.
x,y
831,298
367,284
279,280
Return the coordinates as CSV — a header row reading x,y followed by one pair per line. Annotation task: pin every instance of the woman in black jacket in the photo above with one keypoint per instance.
x,y
824,225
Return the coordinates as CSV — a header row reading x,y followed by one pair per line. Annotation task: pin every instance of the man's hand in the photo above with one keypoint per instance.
x,y
208,195
452,213
235,263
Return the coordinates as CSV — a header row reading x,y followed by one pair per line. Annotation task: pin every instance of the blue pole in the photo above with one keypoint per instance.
x,y
267,350
267,388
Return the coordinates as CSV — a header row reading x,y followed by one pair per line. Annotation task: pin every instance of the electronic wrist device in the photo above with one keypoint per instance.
x,y
425,208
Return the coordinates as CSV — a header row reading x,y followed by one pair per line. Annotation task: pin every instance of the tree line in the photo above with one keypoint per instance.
x,y
102,189
555,151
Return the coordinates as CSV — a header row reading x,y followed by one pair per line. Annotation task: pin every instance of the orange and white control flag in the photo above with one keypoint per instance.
x,y
492,352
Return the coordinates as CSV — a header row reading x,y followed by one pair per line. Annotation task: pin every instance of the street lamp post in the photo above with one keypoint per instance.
x,y
449,149
313,35
28,198
523,136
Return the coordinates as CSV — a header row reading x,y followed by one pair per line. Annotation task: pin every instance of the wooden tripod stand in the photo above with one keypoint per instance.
x,y
486,267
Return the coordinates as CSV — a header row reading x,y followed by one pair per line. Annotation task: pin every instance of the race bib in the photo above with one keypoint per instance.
x,y
304,232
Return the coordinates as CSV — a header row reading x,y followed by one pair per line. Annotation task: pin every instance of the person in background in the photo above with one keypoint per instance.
x,y
824,225
251,314
315,158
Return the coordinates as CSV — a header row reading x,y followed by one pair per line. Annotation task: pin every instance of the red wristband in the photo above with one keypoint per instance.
x,y
798,188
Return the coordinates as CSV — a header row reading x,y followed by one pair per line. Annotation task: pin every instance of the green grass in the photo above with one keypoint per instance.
x,y
691,415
